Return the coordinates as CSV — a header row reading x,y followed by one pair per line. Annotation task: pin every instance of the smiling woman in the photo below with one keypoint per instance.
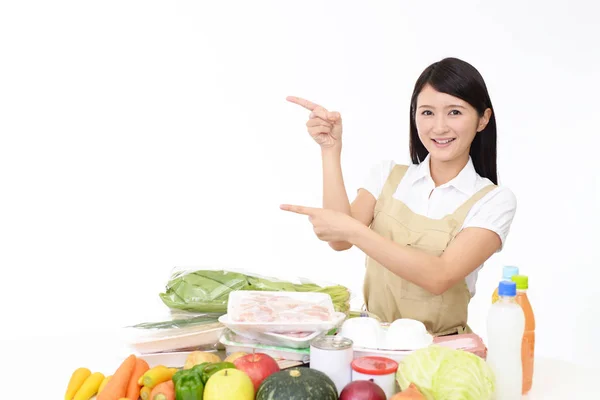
x,y
450,103
426,228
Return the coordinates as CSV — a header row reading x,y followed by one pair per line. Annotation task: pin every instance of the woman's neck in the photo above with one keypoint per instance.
x,y
444,171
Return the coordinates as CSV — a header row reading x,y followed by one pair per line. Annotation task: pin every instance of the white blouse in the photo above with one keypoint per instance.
x,y
495,211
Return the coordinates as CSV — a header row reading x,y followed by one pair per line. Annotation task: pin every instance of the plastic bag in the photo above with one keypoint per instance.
x,y
176,332
259,306
207,289
179,322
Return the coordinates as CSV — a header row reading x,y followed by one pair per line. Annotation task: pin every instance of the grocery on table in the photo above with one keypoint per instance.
x,y
230,336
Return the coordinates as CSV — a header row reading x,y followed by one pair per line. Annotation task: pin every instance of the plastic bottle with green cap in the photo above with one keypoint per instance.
x,y
507,273
528,345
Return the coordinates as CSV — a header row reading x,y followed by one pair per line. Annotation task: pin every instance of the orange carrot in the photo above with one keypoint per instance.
x,y
133,390
163,391
116,387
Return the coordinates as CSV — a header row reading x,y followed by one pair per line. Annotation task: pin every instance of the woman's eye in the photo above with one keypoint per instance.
x,y
426,112
455,112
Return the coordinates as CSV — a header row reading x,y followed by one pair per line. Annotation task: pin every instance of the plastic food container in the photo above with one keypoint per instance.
x,y
380,370
208,337
401,336
175,332
363,331
282,326
279,307
466,341
235,343
293,340
406,334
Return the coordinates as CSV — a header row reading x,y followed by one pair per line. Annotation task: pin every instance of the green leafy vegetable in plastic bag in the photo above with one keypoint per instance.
x,y
205,319
207,291
445,373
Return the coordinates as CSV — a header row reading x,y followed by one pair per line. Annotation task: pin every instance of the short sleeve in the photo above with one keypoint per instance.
x,y
494,212
376,177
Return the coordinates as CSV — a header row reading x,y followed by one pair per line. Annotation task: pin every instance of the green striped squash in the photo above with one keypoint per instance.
x,y
297,384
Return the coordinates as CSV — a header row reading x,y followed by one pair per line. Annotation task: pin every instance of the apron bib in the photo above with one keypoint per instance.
x,y
390,297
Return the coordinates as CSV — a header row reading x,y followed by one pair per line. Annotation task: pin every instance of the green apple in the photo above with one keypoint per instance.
x,y
229,384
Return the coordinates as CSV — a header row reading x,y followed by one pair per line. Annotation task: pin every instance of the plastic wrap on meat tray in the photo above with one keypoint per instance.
x,y
176,331
468,342
279,307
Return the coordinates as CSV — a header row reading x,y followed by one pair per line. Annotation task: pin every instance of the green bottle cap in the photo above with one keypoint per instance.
x,y
522,281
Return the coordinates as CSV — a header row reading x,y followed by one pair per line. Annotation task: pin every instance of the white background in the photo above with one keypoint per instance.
x,y
136,136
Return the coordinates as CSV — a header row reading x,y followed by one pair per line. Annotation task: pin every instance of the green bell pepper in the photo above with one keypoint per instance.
x,y
188,383
195,370
210,369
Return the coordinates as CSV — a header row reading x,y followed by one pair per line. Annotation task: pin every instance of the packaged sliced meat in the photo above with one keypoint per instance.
x,y
284,307
468,342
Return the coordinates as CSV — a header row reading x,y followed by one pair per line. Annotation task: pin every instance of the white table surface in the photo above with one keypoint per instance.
x,y
44,364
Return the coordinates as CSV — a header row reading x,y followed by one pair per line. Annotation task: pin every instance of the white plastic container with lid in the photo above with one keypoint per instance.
x,y
380,370
332,355
505,328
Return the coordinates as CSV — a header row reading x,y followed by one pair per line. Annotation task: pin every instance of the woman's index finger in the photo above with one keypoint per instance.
x,y
300,209
309,105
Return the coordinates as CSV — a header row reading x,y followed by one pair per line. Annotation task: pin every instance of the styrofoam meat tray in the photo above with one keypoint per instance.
x,y
235,344
295,340
178,341
277,327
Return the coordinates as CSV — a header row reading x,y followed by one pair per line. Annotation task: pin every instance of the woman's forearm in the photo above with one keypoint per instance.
x,y
335,196
334,190
418,267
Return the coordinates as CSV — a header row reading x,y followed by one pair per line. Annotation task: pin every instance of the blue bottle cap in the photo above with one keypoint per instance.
x,y
509,271
507,288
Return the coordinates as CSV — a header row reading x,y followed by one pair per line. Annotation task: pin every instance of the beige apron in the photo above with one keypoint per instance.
x,y
390,297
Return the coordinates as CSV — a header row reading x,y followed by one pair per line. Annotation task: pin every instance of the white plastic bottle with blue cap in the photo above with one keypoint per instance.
x,y
505,328
507,273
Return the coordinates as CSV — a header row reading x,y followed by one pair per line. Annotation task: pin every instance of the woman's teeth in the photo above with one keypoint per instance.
x,y
444,141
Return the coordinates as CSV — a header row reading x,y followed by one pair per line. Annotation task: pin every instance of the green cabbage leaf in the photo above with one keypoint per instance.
x,y
444,373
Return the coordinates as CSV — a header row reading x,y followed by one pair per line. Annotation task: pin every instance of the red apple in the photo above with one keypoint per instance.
x,y
257,366
362,390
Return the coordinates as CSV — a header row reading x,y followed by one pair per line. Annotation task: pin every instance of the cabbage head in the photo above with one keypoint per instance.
x,y
444,373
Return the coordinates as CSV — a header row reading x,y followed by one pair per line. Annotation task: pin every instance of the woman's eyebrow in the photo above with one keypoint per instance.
x,y
449,106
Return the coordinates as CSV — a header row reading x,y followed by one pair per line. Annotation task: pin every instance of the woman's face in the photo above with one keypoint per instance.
x,y
446,124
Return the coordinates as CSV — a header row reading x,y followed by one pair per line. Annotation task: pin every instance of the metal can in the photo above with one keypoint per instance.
x,y
333,356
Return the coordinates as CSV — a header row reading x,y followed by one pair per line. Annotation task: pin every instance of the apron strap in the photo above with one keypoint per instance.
x,y
463,210
393,180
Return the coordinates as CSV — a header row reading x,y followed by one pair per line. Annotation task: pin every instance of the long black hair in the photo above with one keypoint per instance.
x,y
459,79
